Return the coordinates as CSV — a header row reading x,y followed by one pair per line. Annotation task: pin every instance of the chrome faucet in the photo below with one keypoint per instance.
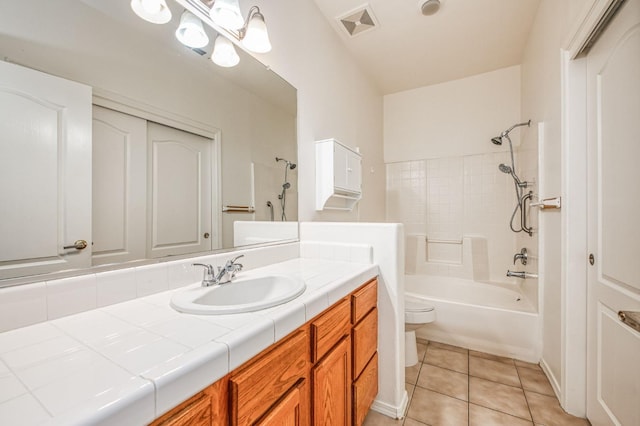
x,y
229,270
521,274
523,256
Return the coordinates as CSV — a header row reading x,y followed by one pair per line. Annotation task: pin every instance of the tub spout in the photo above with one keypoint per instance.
x,y
521,274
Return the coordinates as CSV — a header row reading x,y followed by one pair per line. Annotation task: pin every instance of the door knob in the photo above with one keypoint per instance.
x,y
78,245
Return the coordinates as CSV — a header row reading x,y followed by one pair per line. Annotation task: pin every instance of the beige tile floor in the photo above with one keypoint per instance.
x,y
453,386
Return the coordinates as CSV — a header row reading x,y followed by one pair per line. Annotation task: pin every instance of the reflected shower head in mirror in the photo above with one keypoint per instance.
x,y
289,163
505,169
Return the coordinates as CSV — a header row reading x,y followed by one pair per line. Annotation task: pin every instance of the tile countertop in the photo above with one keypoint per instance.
x,y
130,363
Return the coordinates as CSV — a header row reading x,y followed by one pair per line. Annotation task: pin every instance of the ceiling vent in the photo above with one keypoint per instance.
x,y
358,21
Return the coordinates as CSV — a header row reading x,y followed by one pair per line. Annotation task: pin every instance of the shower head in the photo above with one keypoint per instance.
x,y
289,163
505,169
498,139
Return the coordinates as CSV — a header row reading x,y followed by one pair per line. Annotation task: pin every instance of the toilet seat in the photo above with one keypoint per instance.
x,y
413,306
416,312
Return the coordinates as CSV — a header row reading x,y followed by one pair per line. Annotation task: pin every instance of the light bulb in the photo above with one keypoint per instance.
x,y
224,53
256,38
226,13
191,32
154,11
151,6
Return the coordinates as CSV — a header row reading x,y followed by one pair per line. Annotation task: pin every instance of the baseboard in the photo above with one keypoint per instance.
x,y
395,412
552,379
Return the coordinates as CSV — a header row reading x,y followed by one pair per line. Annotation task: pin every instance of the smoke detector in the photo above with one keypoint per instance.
x,y
358,21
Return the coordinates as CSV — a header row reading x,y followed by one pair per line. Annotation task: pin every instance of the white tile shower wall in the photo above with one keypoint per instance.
x,y
456,197
406,195
445,204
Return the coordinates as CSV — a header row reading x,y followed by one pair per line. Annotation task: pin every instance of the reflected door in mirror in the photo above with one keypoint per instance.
x,y
119,186
45,172
180,193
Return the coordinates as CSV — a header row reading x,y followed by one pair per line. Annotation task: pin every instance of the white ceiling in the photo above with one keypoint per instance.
x,y
408,50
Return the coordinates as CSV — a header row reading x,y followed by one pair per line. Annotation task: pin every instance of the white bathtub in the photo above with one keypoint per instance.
x,y
479,316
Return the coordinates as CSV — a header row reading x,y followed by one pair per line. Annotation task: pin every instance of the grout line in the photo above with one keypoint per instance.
x,y
525,395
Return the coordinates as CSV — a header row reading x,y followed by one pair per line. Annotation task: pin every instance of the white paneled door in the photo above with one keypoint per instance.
x,y
119,186
45,172
180,192
613,102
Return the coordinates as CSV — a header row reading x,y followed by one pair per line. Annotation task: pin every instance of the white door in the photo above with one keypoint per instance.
x,y
119,187
45,172
613,111
180,192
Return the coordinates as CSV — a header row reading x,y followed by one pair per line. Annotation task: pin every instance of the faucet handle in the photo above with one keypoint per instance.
x,y
208,277
209,268
523,256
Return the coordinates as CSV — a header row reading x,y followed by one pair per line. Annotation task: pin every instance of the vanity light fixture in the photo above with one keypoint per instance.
x,y
224,53
154,11
226,13
191,32
254,33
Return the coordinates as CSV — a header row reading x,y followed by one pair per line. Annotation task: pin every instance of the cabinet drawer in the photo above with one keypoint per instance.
x,y
365,341
363,300
365,390
258,385
329,328
194,412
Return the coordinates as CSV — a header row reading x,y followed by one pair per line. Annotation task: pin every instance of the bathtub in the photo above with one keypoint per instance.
x,y
479,316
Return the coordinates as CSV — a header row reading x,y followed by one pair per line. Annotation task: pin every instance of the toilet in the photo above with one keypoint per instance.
x,y
416,315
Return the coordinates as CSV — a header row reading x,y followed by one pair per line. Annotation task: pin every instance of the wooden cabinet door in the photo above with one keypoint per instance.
x,y
332,387
290,410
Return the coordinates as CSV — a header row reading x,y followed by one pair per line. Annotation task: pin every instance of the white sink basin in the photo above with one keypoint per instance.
x,y
244,294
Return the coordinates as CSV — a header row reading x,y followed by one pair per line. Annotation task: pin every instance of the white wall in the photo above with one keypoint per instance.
x,y
452,119
541,101
336,99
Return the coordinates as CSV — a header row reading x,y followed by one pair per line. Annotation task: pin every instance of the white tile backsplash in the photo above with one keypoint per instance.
x,y
71,295
22,305
151,279
115,287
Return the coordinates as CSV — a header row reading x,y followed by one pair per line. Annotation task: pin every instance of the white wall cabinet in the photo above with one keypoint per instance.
x,y
338,176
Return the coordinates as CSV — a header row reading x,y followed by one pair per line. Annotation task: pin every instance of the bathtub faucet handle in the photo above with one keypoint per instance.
x,y
523,256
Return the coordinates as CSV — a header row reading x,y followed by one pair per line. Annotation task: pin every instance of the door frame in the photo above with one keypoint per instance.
x,y
117,102
573,383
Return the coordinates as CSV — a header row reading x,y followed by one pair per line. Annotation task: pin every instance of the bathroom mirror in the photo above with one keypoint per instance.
x,y
140,70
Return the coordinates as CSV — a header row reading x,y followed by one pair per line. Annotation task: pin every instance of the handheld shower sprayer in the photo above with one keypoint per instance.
x,y
510,170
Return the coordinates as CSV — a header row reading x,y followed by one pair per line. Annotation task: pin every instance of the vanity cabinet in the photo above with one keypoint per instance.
x,y
323,373
258,387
